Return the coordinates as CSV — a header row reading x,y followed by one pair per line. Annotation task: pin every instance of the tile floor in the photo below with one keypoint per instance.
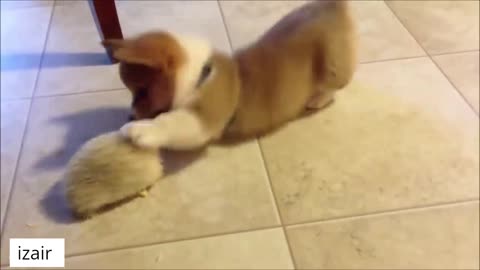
x,y
387,177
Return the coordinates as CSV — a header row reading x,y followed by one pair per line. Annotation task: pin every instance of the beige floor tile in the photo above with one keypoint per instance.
x,y
463,71
399,136
441,26
435,238
23,33
74,59
199,18
14,117
76,62
64,2
248,20
381,36
13,4
224,191
266,249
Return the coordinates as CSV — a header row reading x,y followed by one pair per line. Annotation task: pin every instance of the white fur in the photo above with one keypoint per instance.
x,y
198,51
179,129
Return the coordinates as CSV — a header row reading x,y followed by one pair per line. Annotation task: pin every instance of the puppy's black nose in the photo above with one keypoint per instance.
x,y
140,94
131,118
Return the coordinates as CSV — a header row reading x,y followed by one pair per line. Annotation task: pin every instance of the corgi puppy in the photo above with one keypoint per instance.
x,y
298,64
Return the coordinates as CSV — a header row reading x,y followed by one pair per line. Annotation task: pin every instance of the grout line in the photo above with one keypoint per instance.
x,y
15,99
25,130
454,52
454,86
292,226
64,94
173,241
433,61
262,156
225,26
392,59
275,200
79,93
415,57
385,213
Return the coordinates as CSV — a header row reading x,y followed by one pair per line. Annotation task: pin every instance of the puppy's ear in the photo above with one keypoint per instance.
x,y
123,51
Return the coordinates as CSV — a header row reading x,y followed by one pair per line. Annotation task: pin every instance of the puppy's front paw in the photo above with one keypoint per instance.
x,y
143,134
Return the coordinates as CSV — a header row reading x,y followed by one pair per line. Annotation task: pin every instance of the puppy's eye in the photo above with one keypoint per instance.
x,y
141,93
206,70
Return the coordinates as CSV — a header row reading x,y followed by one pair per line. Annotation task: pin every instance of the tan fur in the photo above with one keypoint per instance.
x,y
298,63
309,52
109,169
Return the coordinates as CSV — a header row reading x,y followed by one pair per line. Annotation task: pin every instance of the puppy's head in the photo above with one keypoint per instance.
x,y
162,70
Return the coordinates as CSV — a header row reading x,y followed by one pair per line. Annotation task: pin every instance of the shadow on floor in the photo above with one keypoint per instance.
x,y
52,60
80,128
